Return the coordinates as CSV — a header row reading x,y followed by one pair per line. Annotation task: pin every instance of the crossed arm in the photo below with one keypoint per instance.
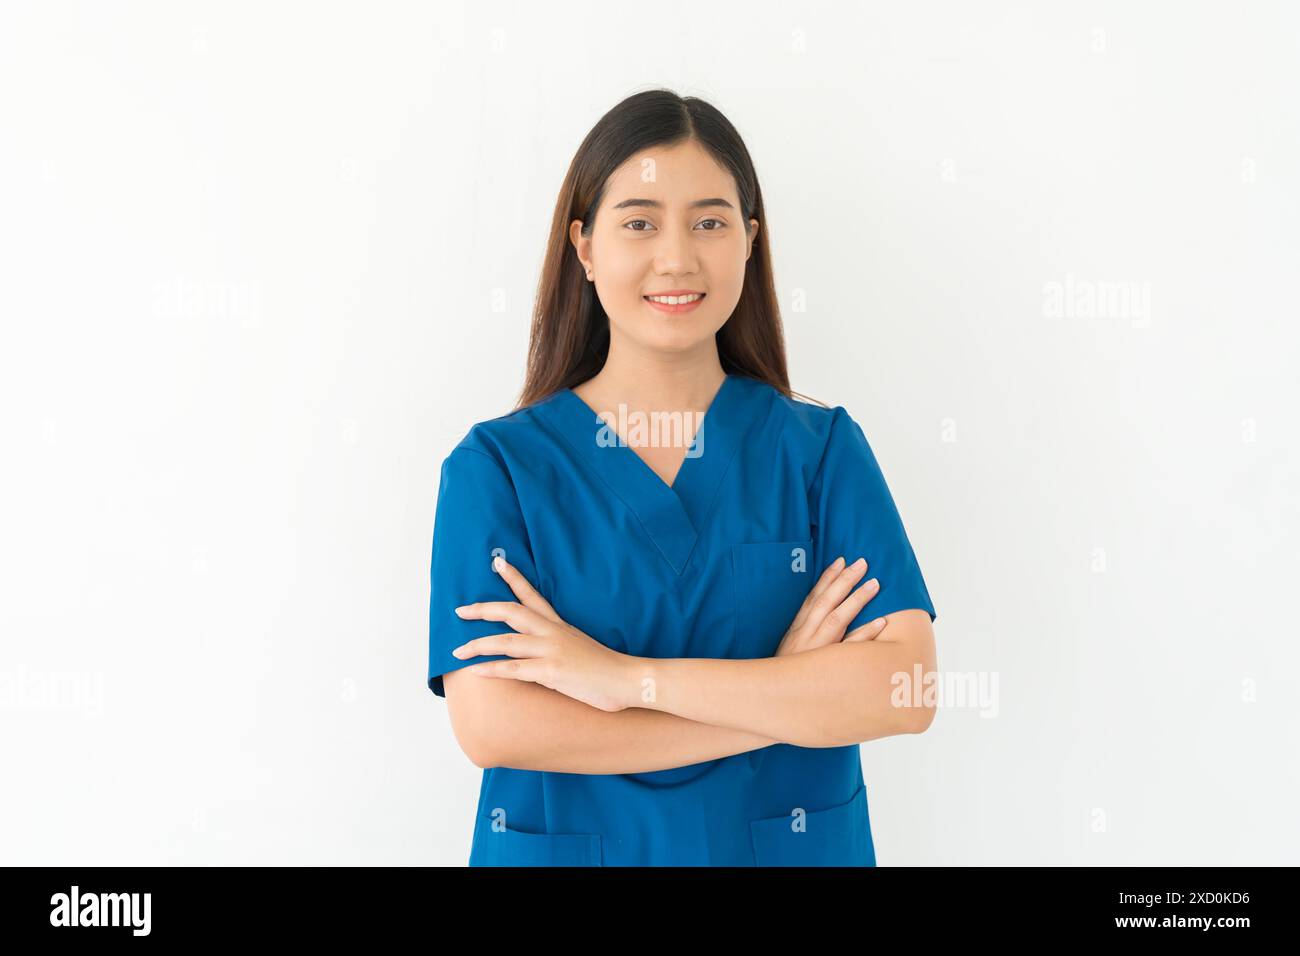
x,y
697,709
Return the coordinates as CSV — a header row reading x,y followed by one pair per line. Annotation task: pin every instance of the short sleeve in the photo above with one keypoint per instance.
x,y
855,516
477,517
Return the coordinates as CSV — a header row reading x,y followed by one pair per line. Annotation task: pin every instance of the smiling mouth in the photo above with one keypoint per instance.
x,y
685,299
674,304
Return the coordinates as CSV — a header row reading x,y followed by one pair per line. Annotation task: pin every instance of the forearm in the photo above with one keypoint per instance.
x,y
545,730
827,697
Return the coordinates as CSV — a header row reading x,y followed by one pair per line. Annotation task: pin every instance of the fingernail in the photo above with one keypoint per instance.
x,y
873,583
839,562
878,622
497,562
461,608
455,651
860,563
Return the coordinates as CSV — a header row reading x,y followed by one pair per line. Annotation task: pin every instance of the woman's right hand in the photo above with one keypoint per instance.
x,y
826,612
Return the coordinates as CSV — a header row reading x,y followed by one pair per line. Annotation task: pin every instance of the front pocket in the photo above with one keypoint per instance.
x,y
772,578
837,836
519,848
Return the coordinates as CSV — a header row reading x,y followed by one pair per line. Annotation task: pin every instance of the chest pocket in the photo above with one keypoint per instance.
x,y
772,578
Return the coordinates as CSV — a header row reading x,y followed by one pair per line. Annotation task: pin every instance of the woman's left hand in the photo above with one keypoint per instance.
x,y
546,650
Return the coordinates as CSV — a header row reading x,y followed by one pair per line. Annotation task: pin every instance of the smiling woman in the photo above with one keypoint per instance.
x,y
665,652
676,220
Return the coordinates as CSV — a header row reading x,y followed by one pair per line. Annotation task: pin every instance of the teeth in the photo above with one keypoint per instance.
x,y
674,299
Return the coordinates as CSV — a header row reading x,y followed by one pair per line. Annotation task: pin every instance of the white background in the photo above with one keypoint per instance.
x,y
265,263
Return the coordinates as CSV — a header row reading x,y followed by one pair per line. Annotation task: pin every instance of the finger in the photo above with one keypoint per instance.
x,y
527,670
511,645
522,619
867,632
528,595
832,571
836,621
811,611
828,575
834,594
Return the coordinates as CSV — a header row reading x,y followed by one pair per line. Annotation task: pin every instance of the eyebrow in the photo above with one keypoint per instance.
x,y
656,204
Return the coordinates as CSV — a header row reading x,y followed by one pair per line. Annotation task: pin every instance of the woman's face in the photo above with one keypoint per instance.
x,y
669,222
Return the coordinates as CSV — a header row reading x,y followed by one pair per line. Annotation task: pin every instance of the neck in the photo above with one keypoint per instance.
x,y
677,382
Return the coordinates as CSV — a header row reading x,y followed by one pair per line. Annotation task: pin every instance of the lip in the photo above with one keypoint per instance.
x,y
677,309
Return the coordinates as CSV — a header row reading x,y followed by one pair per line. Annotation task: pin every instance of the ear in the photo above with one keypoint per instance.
x,y
581,244
753,232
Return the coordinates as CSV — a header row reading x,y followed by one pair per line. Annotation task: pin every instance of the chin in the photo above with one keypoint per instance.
x,y
680,340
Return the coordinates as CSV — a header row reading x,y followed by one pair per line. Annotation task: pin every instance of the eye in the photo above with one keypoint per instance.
x,y
627,225
720,225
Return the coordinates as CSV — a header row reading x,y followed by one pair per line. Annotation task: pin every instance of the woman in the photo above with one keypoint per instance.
x,y
629,632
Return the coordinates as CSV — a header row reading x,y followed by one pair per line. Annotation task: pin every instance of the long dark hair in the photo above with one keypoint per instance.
x,y
569,340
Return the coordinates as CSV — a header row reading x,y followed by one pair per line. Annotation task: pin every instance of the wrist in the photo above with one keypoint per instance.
x,y
642,682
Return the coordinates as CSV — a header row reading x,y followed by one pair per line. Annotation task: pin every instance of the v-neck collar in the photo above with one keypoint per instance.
x,y
672,516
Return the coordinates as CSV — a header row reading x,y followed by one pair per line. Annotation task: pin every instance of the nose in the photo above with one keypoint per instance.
x,y
674,253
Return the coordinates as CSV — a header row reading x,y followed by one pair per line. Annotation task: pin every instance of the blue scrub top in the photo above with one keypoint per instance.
x,y
772,490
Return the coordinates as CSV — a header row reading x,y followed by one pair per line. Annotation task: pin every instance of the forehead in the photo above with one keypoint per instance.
x,y
671,174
